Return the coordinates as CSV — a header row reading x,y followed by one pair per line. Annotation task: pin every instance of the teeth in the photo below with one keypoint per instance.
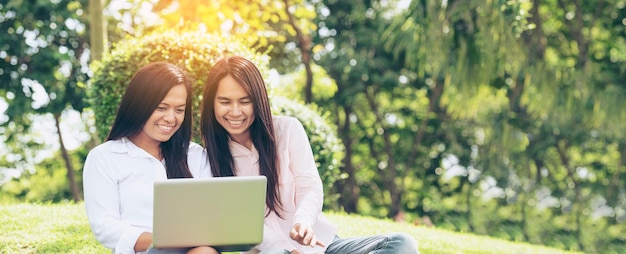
x,y
235,122
165,128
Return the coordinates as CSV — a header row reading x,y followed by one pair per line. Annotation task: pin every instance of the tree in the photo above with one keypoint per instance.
x,y
372,91
267,26
550,68
98,25
44,51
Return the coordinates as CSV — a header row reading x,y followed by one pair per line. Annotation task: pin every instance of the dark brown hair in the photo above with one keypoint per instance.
x,y
146,90
215,137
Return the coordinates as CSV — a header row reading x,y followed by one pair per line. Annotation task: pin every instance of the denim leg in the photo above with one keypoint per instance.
x,y
393,243
275,252
168,251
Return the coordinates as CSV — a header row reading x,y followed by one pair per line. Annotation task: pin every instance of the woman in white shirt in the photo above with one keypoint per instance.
x,y
149,140
243,138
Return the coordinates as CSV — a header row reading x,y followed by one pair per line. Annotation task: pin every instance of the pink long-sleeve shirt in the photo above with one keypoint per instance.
x,y
301,189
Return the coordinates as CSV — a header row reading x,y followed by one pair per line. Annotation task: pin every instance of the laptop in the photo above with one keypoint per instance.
x,y
226,213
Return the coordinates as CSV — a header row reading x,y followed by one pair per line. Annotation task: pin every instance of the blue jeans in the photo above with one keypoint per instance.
x,y
168,251
393,243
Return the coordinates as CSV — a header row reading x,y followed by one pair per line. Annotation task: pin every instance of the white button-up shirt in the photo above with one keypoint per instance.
x,y
118,180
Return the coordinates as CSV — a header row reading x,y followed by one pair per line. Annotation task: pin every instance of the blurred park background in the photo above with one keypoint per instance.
x,y
495,117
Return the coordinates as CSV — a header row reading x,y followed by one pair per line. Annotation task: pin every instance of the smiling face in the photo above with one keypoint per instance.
x,y
234,110
165,120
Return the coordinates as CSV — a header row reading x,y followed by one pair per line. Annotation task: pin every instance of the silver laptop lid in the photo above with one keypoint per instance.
x,y
224,212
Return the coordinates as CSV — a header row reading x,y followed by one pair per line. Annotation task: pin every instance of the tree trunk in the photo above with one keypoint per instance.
x,y
613,188
578,204
433,102
98,33
535,38
523,224
68,163
304,41
348,187
468,201
390,174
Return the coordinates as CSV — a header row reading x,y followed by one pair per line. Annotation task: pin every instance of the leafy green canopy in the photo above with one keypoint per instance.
x,y
197,53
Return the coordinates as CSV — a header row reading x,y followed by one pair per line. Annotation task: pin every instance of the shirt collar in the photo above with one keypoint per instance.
x,y
237,149
124,145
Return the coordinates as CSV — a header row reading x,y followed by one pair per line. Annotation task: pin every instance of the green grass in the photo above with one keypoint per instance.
x,y
63,228
58,228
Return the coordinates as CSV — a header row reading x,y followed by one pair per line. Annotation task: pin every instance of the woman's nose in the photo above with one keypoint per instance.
x,y
169,116
236,110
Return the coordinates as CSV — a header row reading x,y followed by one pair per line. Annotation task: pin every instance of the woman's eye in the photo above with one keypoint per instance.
x,y
246,102
161,108
180,111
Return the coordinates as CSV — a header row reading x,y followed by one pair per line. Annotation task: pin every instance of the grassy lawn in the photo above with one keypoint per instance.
x,y
63,228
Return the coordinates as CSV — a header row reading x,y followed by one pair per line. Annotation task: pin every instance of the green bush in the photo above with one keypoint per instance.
x,y
197,53
47,183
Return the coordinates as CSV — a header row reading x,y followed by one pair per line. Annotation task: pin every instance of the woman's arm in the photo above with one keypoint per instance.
x,y
198,161
102,204
309,194
144,242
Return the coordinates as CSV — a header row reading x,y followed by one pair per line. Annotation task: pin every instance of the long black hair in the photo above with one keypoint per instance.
x,y
215,137
146,90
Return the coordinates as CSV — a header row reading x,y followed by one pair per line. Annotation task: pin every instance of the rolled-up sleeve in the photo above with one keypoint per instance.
x,y
198,161
102,205
309,192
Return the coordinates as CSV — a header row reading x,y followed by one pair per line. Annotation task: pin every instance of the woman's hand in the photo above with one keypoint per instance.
x,y
144,242
297,252
304,235
202,250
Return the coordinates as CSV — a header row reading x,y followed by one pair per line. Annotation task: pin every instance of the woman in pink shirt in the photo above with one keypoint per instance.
x,y
243,138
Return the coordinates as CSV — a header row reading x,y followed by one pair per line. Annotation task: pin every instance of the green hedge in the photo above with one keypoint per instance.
x,y
197,53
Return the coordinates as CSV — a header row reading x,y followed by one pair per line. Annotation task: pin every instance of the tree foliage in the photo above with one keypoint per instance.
x,y
45,52
482,107
283,29
261,24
